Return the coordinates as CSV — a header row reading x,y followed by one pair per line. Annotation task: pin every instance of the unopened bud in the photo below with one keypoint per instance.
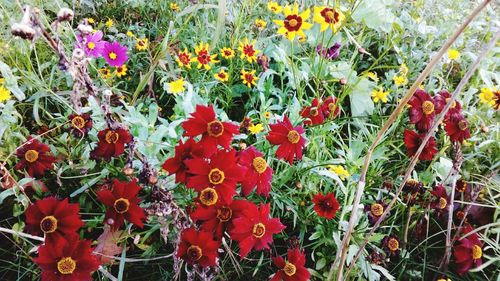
x,y
485,128
298,184
23,30
65,14
343,81
153,180
128,171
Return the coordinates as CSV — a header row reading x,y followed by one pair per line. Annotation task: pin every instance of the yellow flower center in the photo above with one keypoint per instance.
x,y
462,125
66,265
289,269
48,224
215,128
112,55
293,22
194,253
258,230
224,214
377,209
428,107
31,155
393,244
259,164
208,196
216,176
442,203
293,136
477,252
111,137
78,122
91,45
121,205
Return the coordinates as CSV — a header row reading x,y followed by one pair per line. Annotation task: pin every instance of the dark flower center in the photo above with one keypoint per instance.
x,y
194,253
293,22
248,50
461,186
330,15
427,107
203,57
228,53
477,252
78,122
121,205
215,128
66,265
289,269
48,224
393,244
184,58
259,164
249,78
293,136
462,125
208,196
216,176
31,155
221,75
111,137
258,230
377,209
224,213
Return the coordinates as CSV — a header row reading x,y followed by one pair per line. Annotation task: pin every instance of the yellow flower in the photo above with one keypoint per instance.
x,y
373,76
142,44
2,80
130,34
203,56
227,53
294,23
339,171
184,59
379,95
222,76
260,24
255,129
90,20
274,7
121,70
4,94
453,54
403,69
248,51
174,7
109,23
487,96
105,73
248,78
267,114
176,87
400,80
328,17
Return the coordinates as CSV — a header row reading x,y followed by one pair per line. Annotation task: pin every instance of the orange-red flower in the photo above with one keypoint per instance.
x,y
293,269
204,58
289,138
258,174
457,128
184,59
413,140
313,114
326,205
422,110
111,143
122,203
248,51
441,99
330,108
198,247
34,157
183,151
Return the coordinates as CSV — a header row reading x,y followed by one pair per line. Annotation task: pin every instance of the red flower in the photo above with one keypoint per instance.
x,y
213,132
111,143
391,244
80,124
289,138
422,110
326,206
254,229
216,217
457,128
468,253
413,140
176,165
220,172
258,173
440,203
330,108
67,259
198,247
313,114
35,157
441,99
293,269
53,218
122,203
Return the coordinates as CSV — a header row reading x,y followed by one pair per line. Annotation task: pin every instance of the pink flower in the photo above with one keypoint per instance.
x,y
115,54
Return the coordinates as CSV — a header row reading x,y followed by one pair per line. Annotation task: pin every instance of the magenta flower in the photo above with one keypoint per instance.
x,y
115,54
92,44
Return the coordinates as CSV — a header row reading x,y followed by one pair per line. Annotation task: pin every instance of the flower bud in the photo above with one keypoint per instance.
x,y
65,14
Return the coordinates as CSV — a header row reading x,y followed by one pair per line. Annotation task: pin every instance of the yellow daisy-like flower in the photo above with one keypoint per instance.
x,y
267,114
142,44
176,87
380,95
403,69
105,73
294,23
400,80
373,76
249,78
4,94
248,50
222,76
90,20
227,53
109,23
453,54
260,24
121,70
340,171
274,7
328,17
255,129
203,56
130,34
491,97
174,7
183,59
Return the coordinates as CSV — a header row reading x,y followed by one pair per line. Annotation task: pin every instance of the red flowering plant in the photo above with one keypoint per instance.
x,y
35,157
288,138
111,143
293,268
198,247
